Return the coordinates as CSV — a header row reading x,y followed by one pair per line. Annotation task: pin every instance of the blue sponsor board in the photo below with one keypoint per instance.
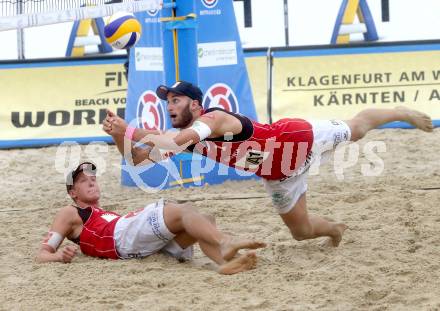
x,y
222,77
223,74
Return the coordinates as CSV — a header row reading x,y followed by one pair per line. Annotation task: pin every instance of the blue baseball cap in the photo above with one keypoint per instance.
x,y
181,88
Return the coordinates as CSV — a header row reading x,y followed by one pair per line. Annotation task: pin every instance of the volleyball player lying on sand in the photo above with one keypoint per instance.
x,y
160,226
281,153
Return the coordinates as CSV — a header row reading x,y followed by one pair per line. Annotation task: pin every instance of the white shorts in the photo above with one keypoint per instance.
x,y
144,232
326,136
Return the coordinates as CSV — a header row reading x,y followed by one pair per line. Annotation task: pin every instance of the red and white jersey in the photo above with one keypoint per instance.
x,y
96,238
272,151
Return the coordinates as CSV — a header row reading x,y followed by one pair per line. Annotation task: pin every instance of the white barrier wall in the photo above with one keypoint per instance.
x,y
310,23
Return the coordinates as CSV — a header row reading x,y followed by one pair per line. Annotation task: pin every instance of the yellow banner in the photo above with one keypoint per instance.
x,y
58,101
52,101
339,86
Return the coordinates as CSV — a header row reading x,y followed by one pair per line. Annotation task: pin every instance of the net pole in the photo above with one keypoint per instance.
x,y
168,48
179,42
286,23
187,47
269,84
20,33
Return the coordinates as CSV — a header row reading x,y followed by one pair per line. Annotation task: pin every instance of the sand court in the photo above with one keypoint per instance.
x,y
387,260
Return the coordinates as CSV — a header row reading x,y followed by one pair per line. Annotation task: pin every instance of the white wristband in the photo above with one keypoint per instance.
x,y
202,129
53,239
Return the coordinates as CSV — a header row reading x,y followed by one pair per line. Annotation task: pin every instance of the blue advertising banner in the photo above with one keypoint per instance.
x,y
145,109
145,74
222,71
222,77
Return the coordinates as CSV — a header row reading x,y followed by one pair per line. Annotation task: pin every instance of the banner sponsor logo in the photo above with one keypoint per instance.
x,y
152,12
210,5
221,95
153,19
217,54
150,113
148,59
57,118
339,86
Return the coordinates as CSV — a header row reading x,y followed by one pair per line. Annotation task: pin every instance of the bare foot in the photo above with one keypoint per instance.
x,y
419,119
231,246
247,261
336,238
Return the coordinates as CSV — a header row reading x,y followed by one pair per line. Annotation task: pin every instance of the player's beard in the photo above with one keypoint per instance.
x,y
185,118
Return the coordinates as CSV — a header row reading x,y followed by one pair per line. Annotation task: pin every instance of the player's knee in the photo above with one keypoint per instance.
x,y
358,129
173,217
187,209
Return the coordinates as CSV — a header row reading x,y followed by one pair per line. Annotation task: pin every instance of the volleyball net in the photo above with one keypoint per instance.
x,y
18,14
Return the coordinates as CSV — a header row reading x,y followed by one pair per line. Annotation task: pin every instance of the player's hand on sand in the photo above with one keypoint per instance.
x,y
67,253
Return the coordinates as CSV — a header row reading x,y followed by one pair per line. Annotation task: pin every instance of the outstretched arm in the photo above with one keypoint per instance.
x,y
49,251
132,154
172,142
207,125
